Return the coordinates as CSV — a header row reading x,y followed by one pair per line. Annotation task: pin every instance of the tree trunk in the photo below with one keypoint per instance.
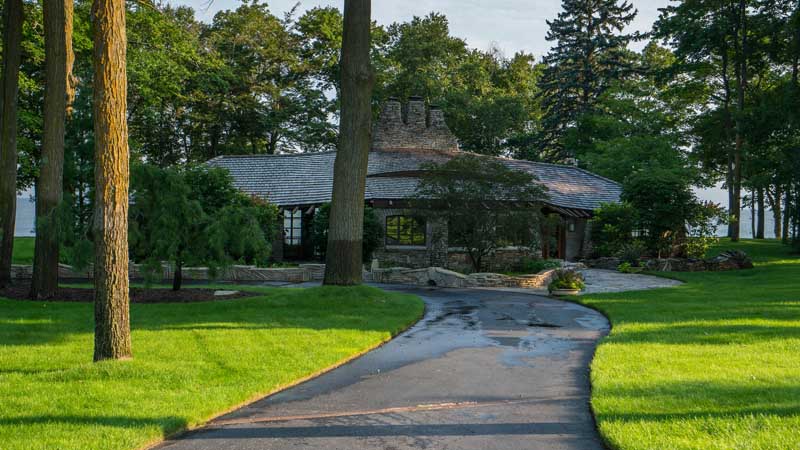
x,y
728,133
753,214
111,312
741,86
345,236
760,232
49,186
774,201
9,88
177,279
788,210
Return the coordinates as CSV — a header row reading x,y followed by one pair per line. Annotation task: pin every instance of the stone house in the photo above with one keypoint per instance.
x,y
403,140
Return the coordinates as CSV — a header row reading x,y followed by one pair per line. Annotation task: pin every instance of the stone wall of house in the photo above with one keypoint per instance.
x,y
415,128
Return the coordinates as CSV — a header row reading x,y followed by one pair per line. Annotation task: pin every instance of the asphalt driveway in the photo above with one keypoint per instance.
x,y
483,370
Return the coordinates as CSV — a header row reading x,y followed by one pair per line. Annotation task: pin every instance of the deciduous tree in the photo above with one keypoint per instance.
x,y
344,255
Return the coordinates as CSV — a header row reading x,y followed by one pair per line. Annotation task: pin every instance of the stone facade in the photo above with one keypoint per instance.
x,y
419,130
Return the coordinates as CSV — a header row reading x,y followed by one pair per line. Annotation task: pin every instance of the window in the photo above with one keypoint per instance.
x,y
405,230
292,227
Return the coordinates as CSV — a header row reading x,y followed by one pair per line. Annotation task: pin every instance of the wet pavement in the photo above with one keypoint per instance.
x,y
483,370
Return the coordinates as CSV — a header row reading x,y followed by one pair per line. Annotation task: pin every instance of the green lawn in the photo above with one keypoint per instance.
x,y
712,364
191,361
23,250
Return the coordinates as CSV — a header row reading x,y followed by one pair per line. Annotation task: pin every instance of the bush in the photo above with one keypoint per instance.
x,y
631,252
536,265
192,217
567,279
612,227
373,232
627,267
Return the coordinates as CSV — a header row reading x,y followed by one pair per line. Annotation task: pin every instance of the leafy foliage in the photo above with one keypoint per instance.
x,y
567,279
486,204
195,217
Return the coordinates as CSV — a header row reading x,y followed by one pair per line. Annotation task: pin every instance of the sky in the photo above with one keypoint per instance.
x,y
511,25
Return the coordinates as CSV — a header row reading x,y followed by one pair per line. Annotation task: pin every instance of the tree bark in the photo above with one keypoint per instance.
x,y
112,323
728,134
787,214
345,236
9,89
774,201
760,229
177,279
49,186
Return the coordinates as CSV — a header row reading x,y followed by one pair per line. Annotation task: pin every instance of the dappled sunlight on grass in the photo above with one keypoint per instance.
x,y
712,364
191,361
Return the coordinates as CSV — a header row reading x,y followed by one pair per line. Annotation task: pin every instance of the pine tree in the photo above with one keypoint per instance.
x,y
112,332
589,54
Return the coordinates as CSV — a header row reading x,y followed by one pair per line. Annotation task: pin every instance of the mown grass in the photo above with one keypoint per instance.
x,y
23,250
191,361
712,364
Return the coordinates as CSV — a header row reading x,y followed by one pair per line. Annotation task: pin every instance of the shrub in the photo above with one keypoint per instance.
x,y
631,252
627,267
536,265
612,227
567,279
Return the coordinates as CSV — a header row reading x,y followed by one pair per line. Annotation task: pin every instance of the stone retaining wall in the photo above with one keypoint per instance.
x,y
440,277
431,276
306,272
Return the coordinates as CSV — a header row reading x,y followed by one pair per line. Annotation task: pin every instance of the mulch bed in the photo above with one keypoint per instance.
x,y
20,291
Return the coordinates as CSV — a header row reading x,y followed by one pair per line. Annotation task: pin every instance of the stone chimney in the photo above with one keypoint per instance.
x,y
421,129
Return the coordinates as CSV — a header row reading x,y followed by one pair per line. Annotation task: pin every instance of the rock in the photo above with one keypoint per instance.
x,y
224,293
731,260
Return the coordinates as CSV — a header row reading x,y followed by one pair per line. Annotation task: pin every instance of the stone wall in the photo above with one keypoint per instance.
x,y
732,260
232,273
420,130
440,277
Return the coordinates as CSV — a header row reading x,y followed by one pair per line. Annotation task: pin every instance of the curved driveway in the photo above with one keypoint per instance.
x,y
483,370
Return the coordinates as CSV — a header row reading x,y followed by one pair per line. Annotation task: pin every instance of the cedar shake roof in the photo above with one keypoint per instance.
x,y
307,178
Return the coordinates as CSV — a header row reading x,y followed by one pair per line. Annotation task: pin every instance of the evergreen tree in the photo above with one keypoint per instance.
x,y
590,53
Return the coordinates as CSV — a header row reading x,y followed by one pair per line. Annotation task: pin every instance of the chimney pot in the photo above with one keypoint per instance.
x,y
417,116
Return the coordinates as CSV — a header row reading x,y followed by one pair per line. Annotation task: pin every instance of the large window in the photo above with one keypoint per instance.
x,y
293,227
405,230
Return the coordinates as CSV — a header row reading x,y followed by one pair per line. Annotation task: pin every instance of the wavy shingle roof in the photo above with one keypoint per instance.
x,y
307,178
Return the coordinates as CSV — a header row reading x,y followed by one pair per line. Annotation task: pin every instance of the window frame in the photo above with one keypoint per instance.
x,y
295,224
418,230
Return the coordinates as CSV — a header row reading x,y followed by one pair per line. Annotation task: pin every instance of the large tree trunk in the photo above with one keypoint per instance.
x,y
741,50
728,133
49,186
9,88
345,236
112,339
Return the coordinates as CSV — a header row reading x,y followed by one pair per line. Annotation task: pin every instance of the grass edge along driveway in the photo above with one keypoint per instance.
x,y
712,364
191,361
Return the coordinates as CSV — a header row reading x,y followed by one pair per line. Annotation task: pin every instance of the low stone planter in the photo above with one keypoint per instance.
x,y
564,292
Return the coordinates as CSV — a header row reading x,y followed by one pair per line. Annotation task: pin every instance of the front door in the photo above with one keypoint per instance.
x,y
554,236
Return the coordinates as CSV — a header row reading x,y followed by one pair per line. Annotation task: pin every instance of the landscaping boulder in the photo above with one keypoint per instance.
x,y
731,260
